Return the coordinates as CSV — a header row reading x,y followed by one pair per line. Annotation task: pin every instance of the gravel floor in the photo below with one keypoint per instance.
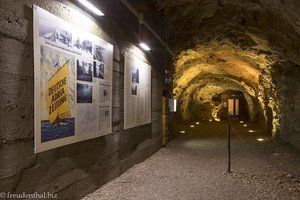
x,y
194,166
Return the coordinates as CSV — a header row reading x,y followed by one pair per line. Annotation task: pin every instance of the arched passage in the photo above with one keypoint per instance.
x,y
213,68
249,46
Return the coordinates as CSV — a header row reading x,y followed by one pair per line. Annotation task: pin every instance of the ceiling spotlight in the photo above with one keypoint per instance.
x,y
182,131
192,126
145,46
210,120
245,125
241,122
91,7
197,123
260,139
251,131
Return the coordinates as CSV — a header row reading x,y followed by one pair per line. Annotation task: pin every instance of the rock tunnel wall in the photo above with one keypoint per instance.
x,y
247,46
74,170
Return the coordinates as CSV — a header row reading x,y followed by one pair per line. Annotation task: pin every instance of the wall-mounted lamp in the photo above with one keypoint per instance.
x,y
91,7
142,44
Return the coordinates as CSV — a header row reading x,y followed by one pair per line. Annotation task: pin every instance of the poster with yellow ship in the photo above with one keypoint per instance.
x,y
58,95
73,81
58,100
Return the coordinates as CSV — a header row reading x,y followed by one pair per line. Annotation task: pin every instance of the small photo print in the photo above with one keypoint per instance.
x,y
84,93
104,95
134,89
56,35
99,70
84,71
84,45
135,76
98,53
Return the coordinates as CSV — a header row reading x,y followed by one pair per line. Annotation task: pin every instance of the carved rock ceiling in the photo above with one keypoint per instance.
x,y
237,45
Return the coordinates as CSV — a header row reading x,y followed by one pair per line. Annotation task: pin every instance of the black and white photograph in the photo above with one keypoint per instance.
x,y
98,53
99,70
135,75
84,71
84,45
134,89
55,34
84,93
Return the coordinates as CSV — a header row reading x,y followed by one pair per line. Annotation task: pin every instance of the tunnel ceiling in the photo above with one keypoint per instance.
x,y
234,45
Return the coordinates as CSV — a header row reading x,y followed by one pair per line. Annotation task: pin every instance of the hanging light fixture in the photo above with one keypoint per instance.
x,y
91,7
142,44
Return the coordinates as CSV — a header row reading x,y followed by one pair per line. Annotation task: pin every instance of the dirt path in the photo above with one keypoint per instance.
x,y
193,167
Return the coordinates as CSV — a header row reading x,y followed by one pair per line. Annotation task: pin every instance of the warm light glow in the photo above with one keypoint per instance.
x,y
182,131
251,131
215,112
192,126
91,7
260,139
210,120
245,125
241,122
197,123
144,46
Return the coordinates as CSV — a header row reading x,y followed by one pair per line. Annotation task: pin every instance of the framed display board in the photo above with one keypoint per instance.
x,y
137,88
73,82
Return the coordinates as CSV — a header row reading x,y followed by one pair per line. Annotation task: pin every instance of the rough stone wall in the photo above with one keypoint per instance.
x,y
265,34
287,82
74,170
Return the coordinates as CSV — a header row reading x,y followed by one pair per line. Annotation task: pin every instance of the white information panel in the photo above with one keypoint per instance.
x,y
137,88
73,83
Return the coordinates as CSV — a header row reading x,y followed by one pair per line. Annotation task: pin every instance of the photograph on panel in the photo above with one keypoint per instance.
x,y
135,75
134,89
84,93
52,32
84,45
84,70
98,53
98,70
104,94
